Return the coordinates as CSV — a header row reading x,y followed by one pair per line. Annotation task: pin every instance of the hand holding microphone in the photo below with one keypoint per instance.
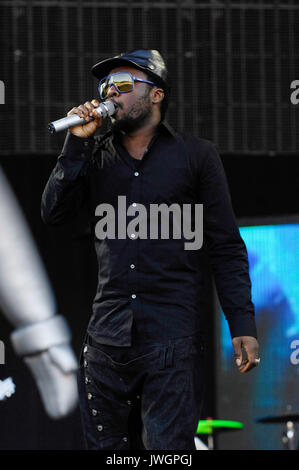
x,y
84,119
92,119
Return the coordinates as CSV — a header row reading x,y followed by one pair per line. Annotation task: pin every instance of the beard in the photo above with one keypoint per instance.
x,y
139,113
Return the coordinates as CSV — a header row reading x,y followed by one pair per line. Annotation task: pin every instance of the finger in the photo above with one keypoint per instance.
x,y
95,103
251,351
77,111
83,111
96,116
90,107
252,354
247,366
71,112
237,344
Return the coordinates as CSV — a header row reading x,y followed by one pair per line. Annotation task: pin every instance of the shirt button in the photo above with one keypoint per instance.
x,y
129,402
85,349
94,412
136,173
100,427
89,396
132,266
125,439
133,296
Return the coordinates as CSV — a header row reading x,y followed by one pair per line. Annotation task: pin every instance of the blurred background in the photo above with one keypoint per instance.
x,y
231,64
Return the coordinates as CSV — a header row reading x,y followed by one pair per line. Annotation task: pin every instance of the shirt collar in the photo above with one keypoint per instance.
x,y
163,126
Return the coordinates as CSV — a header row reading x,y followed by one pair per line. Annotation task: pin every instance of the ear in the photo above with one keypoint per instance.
x,y
158,95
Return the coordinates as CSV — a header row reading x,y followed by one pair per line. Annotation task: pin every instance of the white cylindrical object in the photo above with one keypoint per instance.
x,y
104,110
40,336
25,292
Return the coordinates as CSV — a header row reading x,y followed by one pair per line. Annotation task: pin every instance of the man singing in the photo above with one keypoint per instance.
x,y
141,375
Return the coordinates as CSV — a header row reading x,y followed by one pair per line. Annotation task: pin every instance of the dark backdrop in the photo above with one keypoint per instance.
x,y
231,64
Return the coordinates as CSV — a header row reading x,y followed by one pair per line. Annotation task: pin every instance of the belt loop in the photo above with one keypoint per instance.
x,y
166,356
163,353
169,356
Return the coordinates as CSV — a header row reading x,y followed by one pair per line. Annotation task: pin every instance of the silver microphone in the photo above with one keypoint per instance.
x,y
104,110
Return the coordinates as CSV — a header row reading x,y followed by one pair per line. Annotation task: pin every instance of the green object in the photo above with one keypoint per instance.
x,y
208,426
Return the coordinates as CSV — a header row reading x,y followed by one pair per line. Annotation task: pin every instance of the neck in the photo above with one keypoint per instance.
x,y
140,138
142,135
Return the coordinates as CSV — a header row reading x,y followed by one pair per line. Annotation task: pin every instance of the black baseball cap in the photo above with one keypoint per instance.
x,y
148,61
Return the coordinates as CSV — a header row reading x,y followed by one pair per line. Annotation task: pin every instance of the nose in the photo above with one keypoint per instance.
x,y
112,91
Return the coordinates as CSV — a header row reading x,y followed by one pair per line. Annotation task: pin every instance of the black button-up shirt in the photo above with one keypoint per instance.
x,y
150,289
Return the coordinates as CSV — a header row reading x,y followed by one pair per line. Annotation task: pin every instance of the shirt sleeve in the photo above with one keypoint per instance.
x,y
226,249
65,190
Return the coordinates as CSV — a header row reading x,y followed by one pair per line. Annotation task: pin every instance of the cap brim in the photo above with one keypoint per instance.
x,y
102,69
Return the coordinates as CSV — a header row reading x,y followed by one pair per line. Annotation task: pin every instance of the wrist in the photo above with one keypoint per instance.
x,y
77,148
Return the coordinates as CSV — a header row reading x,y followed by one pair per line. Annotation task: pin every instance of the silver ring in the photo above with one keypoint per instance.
x,y
257,361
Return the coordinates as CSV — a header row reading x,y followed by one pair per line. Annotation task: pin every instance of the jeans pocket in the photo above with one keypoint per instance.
x,y
118,357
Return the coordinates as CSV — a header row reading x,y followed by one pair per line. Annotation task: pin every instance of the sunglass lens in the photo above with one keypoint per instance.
x,y
122,81
104,87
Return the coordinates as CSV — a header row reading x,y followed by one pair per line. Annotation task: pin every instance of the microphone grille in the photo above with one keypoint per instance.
x,y
110,107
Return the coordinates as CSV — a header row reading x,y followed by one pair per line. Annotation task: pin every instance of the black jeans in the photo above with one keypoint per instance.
x,y
145,397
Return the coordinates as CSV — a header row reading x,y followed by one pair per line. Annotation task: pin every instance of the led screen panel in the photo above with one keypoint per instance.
x,y
272,388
